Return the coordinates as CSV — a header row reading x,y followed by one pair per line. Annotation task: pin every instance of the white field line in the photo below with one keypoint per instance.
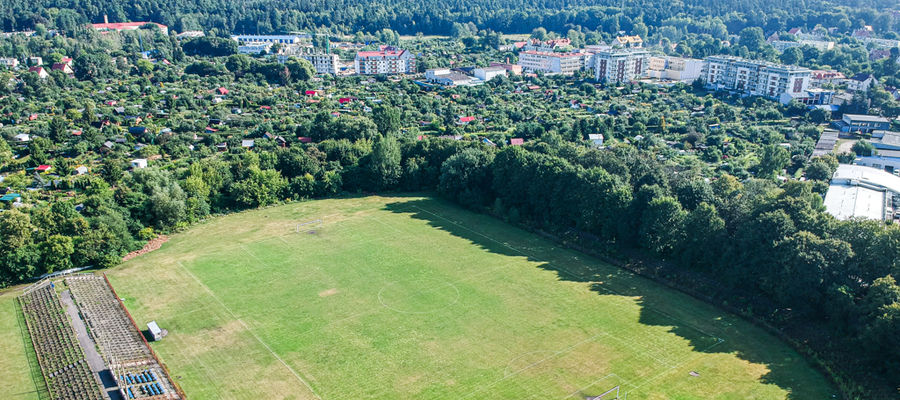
x,y
529,366
277,357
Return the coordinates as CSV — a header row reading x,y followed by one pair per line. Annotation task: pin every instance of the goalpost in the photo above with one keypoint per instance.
x,y
309,225
611,394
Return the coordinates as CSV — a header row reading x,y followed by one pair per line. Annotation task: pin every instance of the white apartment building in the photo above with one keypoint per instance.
x,y
323,63
282,39
388,60
620,65
756,78
551,63
678,69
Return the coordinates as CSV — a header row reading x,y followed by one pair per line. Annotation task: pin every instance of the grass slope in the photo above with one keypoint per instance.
x,y
410,297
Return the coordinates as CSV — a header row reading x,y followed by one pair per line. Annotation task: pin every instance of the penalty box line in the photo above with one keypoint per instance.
x,y
258,339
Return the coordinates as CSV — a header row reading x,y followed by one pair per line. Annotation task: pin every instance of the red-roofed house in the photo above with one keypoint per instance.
x,y
466,120
345,100
76,133
516,141
43,168
127,26
65,67
311,93
222,91
304,139
42,73
387,60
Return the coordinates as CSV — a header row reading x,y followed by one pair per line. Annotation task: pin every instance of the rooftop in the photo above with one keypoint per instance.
x,y
866,118
858,191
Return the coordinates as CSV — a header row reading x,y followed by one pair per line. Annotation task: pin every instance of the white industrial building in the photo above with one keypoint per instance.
x,y
858,191
488,73
448,77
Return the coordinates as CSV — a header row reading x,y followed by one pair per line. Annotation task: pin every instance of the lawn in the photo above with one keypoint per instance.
x,y
411,297
20,375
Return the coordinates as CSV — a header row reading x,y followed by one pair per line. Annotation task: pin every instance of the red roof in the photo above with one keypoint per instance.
x,y
36,69
222,91
343,100
43,167
516,141
265,107
311,93
466,119
305,139
76,133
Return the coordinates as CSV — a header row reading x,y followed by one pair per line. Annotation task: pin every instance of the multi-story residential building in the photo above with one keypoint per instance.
x,y
674,68
551,63
620,65
388,60
322,62
756,78
281,39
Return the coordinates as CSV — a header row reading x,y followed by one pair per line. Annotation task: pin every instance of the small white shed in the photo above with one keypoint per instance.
x,y
139,163
155,331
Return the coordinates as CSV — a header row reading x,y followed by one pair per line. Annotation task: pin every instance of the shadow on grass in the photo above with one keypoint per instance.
x,y
658,303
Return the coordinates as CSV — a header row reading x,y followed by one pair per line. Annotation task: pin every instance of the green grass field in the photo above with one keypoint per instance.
x,y
20,375
411,297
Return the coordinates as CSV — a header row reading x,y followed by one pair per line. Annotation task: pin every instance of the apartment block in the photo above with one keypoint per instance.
x,y
387,60
620,65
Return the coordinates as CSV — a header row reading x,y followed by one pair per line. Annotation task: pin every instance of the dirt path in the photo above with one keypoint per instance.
x,y
153,244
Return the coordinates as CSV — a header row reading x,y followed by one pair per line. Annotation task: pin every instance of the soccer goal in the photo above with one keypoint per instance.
x,y
611,394
309,226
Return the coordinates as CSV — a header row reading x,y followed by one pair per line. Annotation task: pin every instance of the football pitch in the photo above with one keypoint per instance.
x,y
412,297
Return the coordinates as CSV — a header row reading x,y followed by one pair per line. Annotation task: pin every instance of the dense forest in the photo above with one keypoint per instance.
x,y
438,17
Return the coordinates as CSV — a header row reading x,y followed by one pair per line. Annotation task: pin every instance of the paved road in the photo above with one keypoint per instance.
x,y
90,349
